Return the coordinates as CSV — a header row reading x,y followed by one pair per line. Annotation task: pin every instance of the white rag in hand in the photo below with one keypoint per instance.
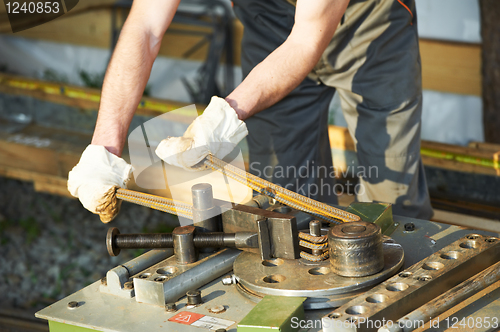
x,y
217,131
95,179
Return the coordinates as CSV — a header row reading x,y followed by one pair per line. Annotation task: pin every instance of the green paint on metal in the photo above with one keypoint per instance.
x,y
274,313
462,158
61,327
378,213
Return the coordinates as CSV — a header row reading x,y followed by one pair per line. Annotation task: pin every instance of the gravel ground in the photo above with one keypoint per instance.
x,y
50,246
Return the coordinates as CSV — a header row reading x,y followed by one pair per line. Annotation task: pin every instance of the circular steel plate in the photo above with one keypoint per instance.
x,y
315,281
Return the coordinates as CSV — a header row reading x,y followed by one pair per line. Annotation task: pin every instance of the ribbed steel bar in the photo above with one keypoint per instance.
x,y
282,195
156,202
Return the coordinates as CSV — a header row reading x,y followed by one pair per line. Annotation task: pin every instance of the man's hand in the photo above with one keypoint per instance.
x,y
216,131
95,179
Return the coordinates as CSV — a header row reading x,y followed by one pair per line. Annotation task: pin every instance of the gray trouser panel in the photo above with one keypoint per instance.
x,y
373,62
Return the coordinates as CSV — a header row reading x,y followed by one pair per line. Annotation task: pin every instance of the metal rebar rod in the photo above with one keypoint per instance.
x,y
156,202
282,195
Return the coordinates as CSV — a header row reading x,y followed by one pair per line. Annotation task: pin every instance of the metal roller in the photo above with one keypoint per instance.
x,y
356,249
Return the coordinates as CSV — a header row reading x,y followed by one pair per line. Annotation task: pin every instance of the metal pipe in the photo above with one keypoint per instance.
x,y
184,250
205,213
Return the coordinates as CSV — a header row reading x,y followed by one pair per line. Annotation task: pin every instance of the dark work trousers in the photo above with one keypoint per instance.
x,y
373,62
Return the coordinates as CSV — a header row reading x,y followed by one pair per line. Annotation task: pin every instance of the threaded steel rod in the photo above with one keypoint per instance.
x,y
165,240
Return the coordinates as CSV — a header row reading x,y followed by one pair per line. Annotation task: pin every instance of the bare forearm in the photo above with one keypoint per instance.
x,y
129,70
124,83
271,80
284,69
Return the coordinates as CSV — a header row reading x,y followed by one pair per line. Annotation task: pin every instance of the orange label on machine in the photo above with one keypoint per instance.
x,y
186,317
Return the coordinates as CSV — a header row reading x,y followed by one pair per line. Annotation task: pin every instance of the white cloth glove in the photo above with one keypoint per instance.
x,y
216,132
95,179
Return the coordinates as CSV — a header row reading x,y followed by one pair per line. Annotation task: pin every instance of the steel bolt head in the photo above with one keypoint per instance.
x,y
193,297
409,227
73,304
170,307
128,285
228,280
217,309
104,281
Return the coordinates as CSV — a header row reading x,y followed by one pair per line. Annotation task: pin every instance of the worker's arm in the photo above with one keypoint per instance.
x,y
100,171
218,130
284,69
129,70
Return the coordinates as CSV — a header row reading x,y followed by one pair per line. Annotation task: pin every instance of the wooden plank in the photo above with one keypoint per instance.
x,y
84,98
434,154
42,182
451,67
340,138
446,66
52,188
490,147
458,166
468,221
93,28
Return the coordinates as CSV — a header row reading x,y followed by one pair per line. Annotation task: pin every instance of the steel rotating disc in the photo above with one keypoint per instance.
x,y
316,281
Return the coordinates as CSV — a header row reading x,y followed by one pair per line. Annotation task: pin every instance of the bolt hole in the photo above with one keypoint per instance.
x,y
469,244
432,266
405,274
145,275
356,310
397,287
424,278
319,271
473,236
334,315
160,279
273,262
491,239
351,320
376,298
274,278
450,255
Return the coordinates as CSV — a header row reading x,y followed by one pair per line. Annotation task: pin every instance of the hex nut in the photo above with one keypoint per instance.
x,y
170,307
193,297
409,227
73,305
128,285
